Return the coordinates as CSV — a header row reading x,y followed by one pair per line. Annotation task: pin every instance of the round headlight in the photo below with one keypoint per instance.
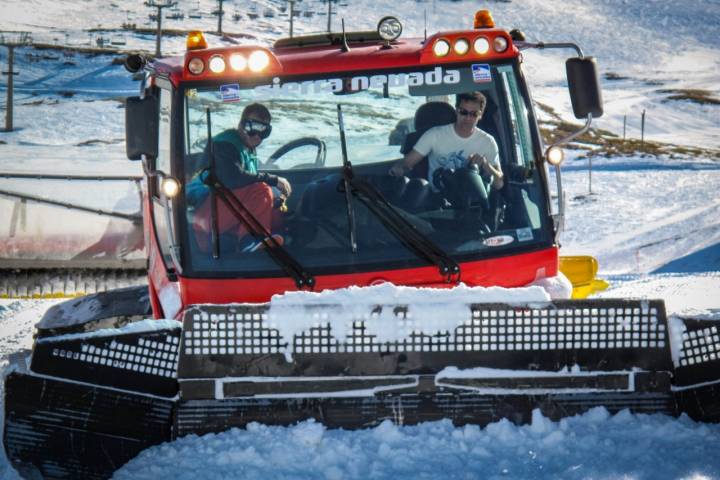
x,y
258,60
238,62
170,187
441,48
217,64
196,66
461,46
481,45
389,28
554,155
500,44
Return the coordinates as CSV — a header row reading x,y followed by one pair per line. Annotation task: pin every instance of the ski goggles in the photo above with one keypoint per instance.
x,y
255,127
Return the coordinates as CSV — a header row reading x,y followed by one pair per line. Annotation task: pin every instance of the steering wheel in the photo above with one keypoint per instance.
x,y
299,143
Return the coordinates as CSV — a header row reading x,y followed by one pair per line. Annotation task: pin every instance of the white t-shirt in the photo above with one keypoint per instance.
x,y
446,149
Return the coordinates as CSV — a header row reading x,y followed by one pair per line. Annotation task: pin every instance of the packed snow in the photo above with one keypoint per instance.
x,y
653,223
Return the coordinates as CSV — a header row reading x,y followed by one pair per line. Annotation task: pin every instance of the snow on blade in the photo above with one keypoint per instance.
x,y
429,310
142,326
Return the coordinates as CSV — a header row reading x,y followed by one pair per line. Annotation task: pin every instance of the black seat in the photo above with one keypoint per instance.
x,y
427,116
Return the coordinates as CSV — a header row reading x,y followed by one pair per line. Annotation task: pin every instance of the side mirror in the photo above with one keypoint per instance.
x,y
584,86
141,127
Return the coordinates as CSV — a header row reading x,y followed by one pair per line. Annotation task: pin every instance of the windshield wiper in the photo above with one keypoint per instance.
x,y
279,254
393,220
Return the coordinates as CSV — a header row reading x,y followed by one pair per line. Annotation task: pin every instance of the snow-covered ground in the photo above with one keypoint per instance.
x,y
653,223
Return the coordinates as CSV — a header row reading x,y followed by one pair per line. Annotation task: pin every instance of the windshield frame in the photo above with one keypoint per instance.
x,y
503,140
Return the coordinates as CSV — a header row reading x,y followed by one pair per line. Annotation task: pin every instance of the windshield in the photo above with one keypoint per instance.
x,y
278,147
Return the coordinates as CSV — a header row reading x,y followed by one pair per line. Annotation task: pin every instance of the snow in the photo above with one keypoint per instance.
x,y
653,223
593,445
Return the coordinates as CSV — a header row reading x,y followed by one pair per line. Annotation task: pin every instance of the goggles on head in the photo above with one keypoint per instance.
x,y
255,127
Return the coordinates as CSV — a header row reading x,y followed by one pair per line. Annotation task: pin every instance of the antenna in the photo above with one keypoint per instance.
x,y
425,17
292,14
345,46
329,15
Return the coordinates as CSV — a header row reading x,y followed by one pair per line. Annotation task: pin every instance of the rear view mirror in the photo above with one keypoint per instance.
x,y
141,127
584,86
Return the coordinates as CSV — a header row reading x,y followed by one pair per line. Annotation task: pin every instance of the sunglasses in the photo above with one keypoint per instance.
x,y
468,113
255,127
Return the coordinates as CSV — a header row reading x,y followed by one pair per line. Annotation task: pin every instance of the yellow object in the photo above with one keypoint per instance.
x,y
483,19
581,271
196,40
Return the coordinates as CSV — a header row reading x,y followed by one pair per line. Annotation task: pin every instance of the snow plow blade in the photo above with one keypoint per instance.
x,y
227,366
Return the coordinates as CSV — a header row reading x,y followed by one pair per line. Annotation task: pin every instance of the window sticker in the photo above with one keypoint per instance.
x,y
498,241
481,73
230,93
437,76
524,234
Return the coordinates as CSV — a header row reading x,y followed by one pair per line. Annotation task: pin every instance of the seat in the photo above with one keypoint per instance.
x,y
427,116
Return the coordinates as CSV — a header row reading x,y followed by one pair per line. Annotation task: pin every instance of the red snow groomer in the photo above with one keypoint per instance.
x,y
324,162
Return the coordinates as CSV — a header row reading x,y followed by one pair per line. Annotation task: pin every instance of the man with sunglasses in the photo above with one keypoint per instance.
x,y
456,146
236,165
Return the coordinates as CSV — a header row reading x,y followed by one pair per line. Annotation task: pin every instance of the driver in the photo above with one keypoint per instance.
x,y
236,165
457,145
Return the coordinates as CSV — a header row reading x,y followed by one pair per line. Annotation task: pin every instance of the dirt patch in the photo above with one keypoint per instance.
x,y
615,76
98,141
702,97
602,143
45,101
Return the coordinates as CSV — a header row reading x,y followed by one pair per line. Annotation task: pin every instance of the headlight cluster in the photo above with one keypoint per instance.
x,y
461,46
257,61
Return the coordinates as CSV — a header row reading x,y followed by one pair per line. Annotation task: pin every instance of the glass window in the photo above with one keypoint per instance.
x,y
162,211
462,211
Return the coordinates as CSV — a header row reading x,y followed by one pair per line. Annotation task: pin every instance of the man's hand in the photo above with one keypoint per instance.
x,y
397,170
284,186
479,160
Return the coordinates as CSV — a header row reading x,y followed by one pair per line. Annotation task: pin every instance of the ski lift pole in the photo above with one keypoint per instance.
x,y
23,39
10,74
158,35
347,174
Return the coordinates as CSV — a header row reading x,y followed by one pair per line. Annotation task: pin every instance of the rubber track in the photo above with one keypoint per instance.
x,y
63,283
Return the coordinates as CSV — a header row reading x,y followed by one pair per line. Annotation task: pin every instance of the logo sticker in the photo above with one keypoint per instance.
x,y
481,73
498,241
524,234
230,93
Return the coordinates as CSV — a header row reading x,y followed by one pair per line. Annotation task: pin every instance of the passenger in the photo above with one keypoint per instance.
x,y
236,165
456,146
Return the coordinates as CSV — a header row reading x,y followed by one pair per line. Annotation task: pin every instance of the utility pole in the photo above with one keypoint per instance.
x,y
220,13
18,39
159,6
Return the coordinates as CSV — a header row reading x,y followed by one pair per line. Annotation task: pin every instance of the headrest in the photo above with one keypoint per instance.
x,y
433,114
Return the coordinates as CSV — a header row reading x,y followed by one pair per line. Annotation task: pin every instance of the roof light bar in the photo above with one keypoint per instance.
x,y
258,61
461,46
196,66
217,64
441,48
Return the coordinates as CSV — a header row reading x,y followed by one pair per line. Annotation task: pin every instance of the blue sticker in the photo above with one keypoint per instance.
x,y
481,73
230,93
